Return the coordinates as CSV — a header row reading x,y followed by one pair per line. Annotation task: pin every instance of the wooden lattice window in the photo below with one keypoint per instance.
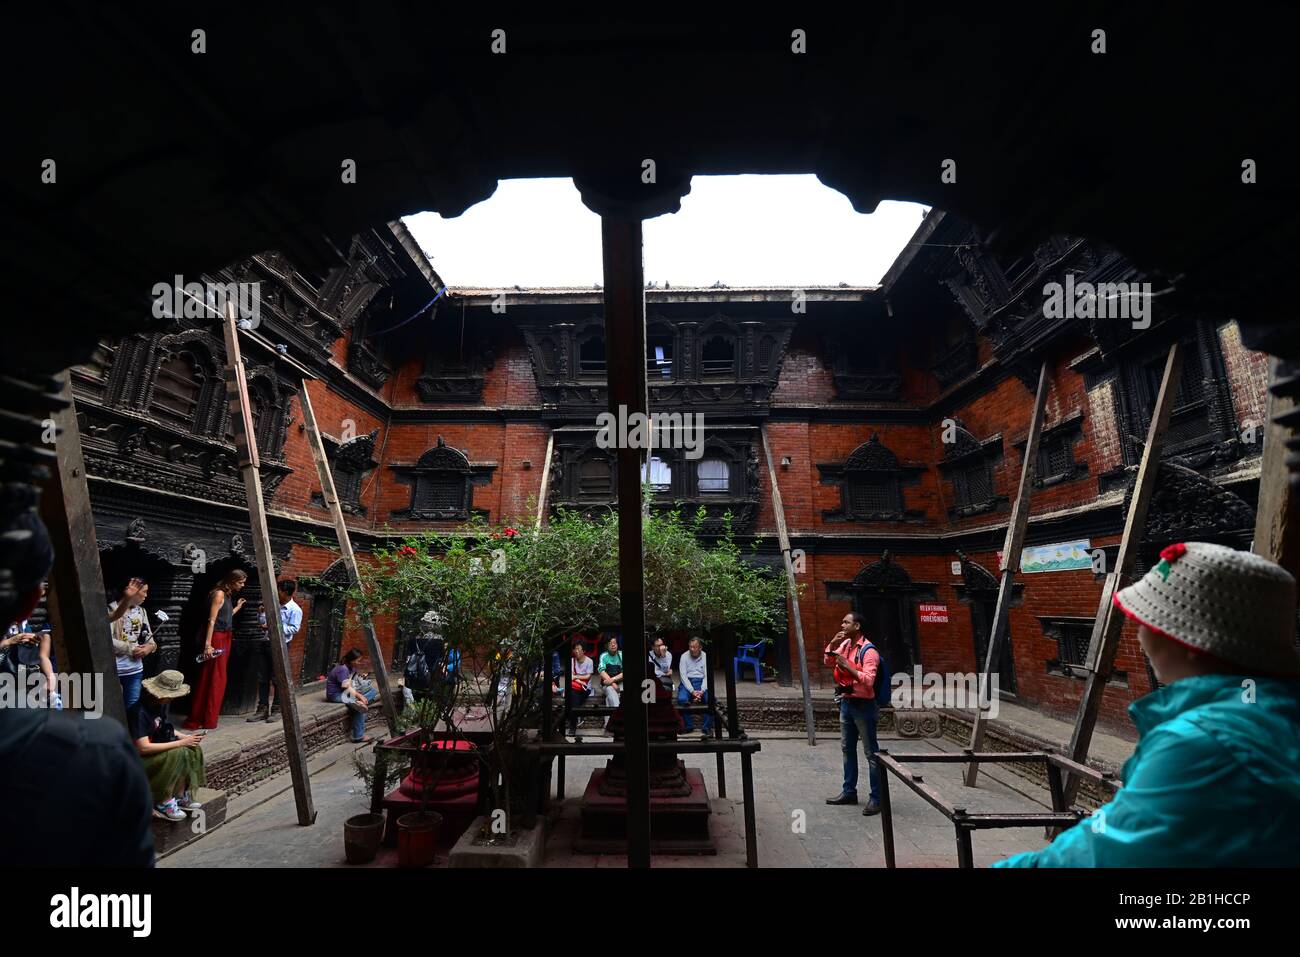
x,y
1055,456
973,485
873,494
440,493
177,389
595,479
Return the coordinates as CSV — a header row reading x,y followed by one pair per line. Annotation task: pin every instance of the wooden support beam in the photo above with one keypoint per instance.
x,y
1277,517
546,481
626,374
1110,621
783,538
241,416
328,493
78,613
1011,548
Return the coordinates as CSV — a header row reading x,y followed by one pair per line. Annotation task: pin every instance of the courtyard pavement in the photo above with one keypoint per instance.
x,y
795,827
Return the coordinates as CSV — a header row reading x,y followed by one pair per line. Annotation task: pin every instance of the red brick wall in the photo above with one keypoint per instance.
x,y
1004,407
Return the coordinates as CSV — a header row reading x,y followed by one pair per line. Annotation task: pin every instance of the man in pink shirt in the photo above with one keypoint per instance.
x,y
855,665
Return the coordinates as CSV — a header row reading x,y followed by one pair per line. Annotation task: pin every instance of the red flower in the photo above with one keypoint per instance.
x,y
510,532
1171,553
407,550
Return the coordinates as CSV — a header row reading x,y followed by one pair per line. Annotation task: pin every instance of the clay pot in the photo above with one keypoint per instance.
x,y
361,836
417,837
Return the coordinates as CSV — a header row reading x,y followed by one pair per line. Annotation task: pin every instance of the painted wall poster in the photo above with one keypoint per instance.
x,y
1059,557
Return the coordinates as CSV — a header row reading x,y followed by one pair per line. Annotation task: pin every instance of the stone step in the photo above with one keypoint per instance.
x,y
170,836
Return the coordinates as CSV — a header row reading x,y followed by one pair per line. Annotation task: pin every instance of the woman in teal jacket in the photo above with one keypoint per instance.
x,y
1215,779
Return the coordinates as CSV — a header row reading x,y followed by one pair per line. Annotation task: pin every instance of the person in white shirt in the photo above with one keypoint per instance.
x,y
694,688
133,640
583,668
661,660
290,623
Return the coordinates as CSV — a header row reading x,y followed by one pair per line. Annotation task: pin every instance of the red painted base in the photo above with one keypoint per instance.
x,y
450,772
678,825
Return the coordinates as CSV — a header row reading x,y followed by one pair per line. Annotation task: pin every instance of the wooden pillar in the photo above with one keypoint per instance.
x,y
783,537
1011,548
1109,623
1277,524
76,603
626,375
241,416
317,445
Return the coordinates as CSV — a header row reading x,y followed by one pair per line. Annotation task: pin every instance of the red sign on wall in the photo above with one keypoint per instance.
x,y
934,614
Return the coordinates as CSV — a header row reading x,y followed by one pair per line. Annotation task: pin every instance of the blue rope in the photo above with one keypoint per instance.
x,y
419,312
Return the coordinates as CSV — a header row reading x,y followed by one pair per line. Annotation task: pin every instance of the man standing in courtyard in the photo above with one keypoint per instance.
x,y
855,661
290,623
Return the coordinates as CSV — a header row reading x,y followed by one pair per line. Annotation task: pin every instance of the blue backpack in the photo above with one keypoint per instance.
x,y
880,686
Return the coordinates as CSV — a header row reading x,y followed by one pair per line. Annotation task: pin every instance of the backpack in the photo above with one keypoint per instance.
x,y
418,675
880,686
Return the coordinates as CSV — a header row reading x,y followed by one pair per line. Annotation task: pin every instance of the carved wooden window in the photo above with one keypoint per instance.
x,y
441,484
177,390
595,479
347,485
718,357
1072,638
766,350
267,419
658,473
550,355
873,494
591,357
968,464
1056,456
713,477
441,493
972,485
659,357
1202,416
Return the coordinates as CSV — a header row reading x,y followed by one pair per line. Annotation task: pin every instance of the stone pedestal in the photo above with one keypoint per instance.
x,y
679,800
450,775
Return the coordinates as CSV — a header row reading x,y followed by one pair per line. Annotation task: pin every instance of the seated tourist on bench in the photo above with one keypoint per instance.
x,y
579,684
344,686
610,670
174,765
694,689
661,664
1215,778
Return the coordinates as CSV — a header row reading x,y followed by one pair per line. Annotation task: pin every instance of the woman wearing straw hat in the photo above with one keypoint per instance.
x,y
1215,779
173,765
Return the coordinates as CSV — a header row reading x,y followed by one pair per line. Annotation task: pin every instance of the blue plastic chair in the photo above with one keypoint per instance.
x,y
750,655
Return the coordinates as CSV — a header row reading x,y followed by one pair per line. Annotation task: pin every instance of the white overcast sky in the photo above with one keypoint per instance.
x,y
740,230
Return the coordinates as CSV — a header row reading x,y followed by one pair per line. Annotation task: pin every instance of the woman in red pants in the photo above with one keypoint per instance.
x,y
211,686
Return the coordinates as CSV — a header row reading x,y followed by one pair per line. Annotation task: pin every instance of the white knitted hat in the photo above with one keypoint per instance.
x,y
1236,606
